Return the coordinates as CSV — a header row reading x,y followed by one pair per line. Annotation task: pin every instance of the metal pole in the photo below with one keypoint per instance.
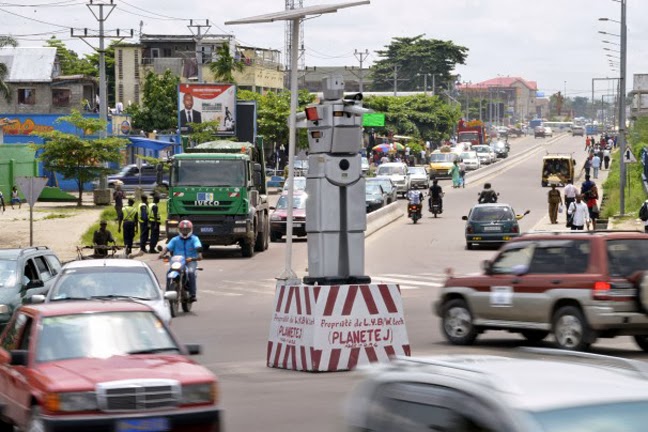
x,y
622,105
288,273
103,88
433,85
395,80
425,83
361,56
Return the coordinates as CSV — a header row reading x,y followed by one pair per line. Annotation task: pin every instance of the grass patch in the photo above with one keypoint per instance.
x,y
110,215
57,216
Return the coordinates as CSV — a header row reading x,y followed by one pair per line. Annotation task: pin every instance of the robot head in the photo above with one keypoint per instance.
x,y
333,87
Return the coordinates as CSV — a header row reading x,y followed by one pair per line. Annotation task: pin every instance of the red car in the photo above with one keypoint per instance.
x,y
101,366
280,214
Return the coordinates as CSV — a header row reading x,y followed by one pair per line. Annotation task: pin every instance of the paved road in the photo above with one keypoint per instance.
x,y
232,317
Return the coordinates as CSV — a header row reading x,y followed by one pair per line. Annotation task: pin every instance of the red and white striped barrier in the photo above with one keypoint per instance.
x,y
327,328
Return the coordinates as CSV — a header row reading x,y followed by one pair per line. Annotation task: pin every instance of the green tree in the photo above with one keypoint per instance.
x,y
71,63
159,109
422,117
273,112
4,70
76,156
413,57
224,68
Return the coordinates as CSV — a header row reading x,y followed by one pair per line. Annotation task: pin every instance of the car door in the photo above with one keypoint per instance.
x,y
13,382
40,276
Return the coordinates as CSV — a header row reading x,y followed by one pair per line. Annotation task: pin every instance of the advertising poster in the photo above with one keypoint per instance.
x,y
200,103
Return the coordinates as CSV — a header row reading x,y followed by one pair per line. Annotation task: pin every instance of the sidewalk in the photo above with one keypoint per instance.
x,y
545,224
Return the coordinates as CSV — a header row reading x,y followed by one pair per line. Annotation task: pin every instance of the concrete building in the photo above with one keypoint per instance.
x,y
36,85
639,93
263,71
516,95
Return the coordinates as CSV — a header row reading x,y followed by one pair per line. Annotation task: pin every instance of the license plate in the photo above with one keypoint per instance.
x,y
206,229
297,225
492,228
155,424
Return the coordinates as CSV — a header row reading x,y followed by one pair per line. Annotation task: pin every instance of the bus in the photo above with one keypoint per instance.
x,y
558,126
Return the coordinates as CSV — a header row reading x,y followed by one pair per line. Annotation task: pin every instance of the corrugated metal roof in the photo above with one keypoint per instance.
x,y
28,64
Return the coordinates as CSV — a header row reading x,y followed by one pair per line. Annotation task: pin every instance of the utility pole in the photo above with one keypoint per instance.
x,y
101,16
361,56
198,37
622,104
396,68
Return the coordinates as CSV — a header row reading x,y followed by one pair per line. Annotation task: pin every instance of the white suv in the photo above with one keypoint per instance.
x,y
397,172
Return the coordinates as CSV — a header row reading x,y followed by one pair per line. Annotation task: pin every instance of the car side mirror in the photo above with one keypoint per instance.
x,y
37,299
486,266
464,218
19,357
194,349
527,212
34,284
171,295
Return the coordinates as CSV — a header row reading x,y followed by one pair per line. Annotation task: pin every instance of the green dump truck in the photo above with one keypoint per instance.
x,y
220,187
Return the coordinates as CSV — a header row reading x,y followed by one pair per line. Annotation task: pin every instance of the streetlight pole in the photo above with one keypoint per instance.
x,y
622,103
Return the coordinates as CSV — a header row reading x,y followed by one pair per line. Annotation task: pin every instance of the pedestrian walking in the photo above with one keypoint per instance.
x,y
596,164
570,193
142,218
579,214
462,172
118,197
588,165
589,193
455,172
129,225
606,158
154,223
588,144
15,198
554,200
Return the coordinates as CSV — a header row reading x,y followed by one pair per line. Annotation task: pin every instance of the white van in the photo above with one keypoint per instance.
x,y
397,172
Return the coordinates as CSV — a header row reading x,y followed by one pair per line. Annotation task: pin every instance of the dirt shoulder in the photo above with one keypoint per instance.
x,y
58,226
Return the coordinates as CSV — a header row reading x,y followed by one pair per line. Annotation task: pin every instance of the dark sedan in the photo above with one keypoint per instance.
x,y
491,224
388,187
374,197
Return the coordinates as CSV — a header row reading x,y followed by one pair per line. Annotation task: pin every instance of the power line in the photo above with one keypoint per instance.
x,y
34,19
64,3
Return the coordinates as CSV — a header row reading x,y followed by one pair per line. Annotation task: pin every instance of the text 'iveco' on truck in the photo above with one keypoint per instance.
x,y
220,187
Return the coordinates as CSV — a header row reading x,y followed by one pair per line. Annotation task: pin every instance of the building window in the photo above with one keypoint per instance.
x,y
27,96
155,52
120,64
166,52
120,92
137,94
137,65
61,97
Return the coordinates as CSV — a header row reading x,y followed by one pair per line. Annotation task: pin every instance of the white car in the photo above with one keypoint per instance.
x,y
470,160
299,183
110,279
365,165
548,131
397,172
419,177
485,153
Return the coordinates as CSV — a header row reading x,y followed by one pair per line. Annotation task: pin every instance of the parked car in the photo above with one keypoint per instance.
x,y
299,184
101,365
491,224
578,286
485,154
470,160
110,279
397,172
539,132
548,132
132,177
419,177
501,148
388,187
23,273
375,197
279,216
541,390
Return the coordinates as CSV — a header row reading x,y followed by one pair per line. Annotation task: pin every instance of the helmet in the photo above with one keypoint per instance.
x,y
185,228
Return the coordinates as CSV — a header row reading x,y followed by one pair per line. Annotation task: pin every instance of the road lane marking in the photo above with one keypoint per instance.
x,y
217,293
425,276
398,280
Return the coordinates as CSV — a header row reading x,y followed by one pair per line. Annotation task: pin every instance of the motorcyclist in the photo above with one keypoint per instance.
x,y
100,240
487,195
189,246
436,195
415,196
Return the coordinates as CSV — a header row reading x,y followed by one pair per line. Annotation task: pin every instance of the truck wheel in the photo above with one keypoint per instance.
x,y
261,242
247,248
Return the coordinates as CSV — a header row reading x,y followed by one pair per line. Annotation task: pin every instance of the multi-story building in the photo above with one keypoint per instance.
x,y
515,94
36,86
639,93
262,72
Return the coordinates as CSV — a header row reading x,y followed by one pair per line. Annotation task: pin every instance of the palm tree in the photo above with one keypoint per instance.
x,y
4,88
224,67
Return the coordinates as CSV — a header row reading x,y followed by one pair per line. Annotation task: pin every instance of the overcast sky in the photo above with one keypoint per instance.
x,y
553,42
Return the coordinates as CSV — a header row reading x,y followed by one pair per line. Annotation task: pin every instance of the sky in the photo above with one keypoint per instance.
x,y
553,42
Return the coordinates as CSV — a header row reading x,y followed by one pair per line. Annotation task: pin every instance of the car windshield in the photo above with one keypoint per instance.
x,y
83,283
468,155
102,335
385,183
299,202
390,170
494,213
373,189
615,417
301,164
7,273
481,149
416,170
299,183
209,172
627,256
441,157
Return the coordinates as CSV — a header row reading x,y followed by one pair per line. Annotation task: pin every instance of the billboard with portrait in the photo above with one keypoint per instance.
x,y
200,103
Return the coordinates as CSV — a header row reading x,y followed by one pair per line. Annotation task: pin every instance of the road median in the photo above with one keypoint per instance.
x,y
383,217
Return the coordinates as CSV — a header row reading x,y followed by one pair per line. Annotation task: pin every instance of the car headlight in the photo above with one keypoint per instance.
x,y
199,393
71,402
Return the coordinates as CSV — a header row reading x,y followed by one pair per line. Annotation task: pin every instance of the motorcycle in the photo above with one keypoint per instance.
x,y
490,200
178,281
414,212
435,207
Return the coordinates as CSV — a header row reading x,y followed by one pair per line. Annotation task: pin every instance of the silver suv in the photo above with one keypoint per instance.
x,y
578,286
544,391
